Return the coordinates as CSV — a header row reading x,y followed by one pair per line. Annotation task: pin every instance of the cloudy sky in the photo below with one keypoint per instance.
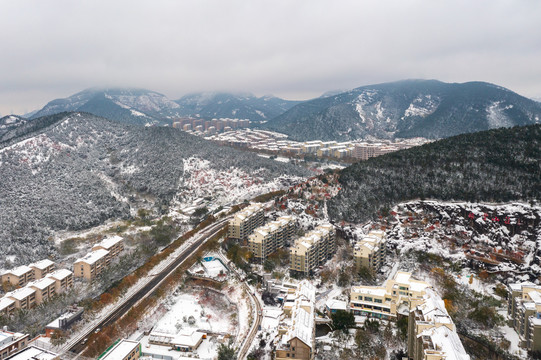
x,y
295,49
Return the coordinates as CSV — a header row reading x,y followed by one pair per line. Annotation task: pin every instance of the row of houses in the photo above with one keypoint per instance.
x,y
47,283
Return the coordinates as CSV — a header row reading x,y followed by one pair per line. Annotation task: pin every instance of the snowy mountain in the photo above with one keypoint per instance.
x,y
410,108
130,106
499,165
10,123
72,171
210,105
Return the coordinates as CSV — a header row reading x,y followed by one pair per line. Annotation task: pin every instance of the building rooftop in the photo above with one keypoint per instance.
x,y
109,242
33,353
120,350
375,291
18,271
21,294
60,274
93,256
5,303
42,264
187,338
41,284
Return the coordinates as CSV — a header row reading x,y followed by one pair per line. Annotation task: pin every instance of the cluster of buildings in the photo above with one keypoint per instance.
x,y
93,264
209,127
276,143
33,285
307,252
524,309
297,328
11,342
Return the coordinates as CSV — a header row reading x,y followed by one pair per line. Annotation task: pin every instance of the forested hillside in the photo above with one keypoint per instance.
x,y
491,166
76,170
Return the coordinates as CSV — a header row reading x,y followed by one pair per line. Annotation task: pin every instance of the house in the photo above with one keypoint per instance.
x,y
64,321
333,305
11,342
92,265
524,309
312,250
42,268
188,341
245,221
389,299
45,289
19,276
123,350
431,331
369,252
63,279
7,306
270,237
114,245
33,352
296,330
25,298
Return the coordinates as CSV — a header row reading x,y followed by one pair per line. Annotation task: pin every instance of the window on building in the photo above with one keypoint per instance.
x,y
379,301
368,298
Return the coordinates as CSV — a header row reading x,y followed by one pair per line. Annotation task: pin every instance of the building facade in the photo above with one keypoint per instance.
x,y
114,245
246,221
92,265
42,268
431,331
19,276
524,309
370,251
11,342
123,350
312,250
389,299
25,298
270,237
63,279
45,289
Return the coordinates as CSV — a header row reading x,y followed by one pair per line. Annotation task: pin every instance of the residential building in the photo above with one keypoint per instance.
x,y
114,245
42,268
63,279
389,299
245,221
45,289
431,331
333,305
123,350
7,306
312,250
19,276
25,298
33,352
524,309
185,341
90,266
11,342
369,252
270,237
296,330
64,321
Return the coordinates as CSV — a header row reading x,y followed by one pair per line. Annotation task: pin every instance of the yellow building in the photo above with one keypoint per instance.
x,y
90,266
369,252
385,301
45,289
524,309
42,268
19,276
296,330
270,237
245,221
25,298
114,245
431,331
7,306
63,279
312,250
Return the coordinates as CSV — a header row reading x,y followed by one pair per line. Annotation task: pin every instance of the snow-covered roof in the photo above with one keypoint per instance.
x,y
42,264
21,294
447,341
109,242
41,284
32,352
303,328
336,304
432,307
5,303
122,349
187,338
402,277
93,256
60,274
18,271
369,290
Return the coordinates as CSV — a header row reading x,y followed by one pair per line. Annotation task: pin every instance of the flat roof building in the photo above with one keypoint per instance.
x,y
34,353
123,350
11,342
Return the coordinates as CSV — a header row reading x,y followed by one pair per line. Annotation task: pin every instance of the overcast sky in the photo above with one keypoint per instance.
x,y
293,49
